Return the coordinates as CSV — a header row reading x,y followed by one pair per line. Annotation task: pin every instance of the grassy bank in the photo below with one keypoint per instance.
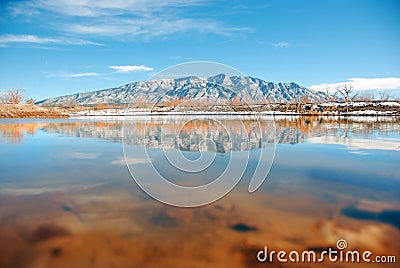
x,y
27,111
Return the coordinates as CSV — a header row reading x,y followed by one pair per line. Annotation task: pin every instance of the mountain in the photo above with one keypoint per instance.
x,y
221,87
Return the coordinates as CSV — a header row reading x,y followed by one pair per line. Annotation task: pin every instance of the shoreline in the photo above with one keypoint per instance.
x,y
360,109
233,114
384,108
27,111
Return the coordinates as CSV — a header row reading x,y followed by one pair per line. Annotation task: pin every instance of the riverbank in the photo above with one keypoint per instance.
x,y
376,108
28,111
388,108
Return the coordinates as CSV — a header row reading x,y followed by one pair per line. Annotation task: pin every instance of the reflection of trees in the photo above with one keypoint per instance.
x,y
14,133
227,135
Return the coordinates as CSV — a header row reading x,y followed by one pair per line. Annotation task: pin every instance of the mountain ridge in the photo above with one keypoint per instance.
x,y
220,87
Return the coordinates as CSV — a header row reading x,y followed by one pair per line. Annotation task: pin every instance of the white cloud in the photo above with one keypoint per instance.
x,y
95,8
130,68
148,27
81,75
11,38
73,75
281,44
34,39
386,83
124,19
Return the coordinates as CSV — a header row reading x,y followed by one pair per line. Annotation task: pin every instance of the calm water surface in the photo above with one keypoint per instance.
x,y
67,198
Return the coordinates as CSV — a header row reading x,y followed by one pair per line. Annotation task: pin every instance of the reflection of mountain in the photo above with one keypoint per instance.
x,y
207,135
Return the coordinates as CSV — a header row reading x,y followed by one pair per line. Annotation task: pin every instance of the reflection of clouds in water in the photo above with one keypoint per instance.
x,y
356,151
130,161
363,236
310,184
357,144
42,190
80,155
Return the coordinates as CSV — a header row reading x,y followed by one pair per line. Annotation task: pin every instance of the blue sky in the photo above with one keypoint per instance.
x,y
57,47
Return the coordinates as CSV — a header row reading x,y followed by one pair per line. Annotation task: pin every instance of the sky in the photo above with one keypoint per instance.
x,y
50,48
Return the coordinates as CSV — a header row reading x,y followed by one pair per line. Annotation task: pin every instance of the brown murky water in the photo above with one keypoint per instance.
x,y
68,200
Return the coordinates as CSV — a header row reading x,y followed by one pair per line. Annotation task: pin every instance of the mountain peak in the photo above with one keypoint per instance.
x,y
219,87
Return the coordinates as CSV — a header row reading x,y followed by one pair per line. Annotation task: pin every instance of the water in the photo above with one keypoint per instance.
x,y
67,197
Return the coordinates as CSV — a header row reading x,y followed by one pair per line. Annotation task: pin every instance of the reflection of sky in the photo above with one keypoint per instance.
x,y
315,194
330,167
52,160
377,143
46,160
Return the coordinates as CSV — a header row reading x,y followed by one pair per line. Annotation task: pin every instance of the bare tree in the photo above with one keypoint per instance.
x,y
30,101
12,96
16,96
366,96
71,103
355,96
385,96
3,98
326,91
329,94
345,91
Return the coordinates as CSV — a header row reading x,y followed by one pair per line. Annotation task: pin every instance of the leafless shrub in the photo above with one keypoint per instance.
x,y
346,92
365,96
385,96
30,101
12,96
71,104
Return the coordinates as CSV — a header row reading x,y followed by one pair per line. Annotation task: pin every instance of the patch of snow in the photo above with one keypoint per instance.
x,y
389,103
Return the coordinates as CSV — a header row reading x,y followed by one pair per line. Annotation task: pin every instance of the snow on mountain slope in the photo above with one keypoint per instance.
x,y
220,87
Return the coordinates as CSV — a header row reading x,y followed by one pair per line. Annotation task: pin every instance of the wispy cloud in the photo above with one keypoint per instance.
x,y
77,75
72,75
281,44
386,83
130,68
11,38
34,39
117,68
95,8
149,27
126,20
